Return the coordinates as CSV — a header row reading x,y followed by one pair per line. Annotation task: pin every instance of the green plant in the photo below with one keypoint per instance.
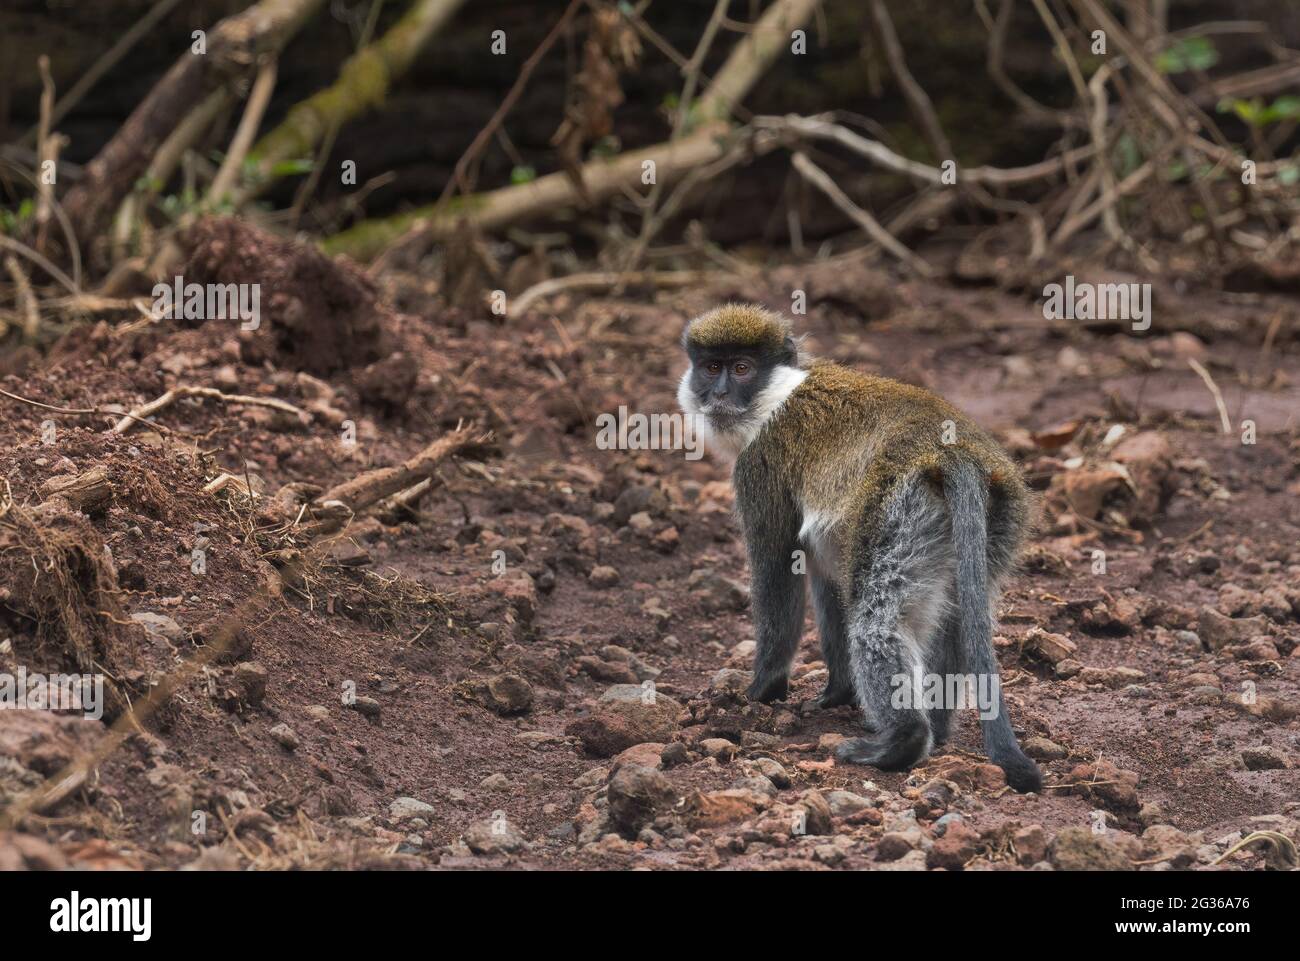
x,y
1192,53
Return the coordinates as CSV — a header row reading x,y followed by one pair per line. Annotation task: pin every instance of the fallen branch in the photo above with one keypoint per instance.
x,y
83,492
822,181
605,281
143,412
819,127
1214,391
55,409
334,508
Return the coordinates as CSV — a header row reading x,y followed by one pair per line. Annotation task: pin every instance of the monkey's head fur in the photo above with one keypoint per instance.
x,y
744,364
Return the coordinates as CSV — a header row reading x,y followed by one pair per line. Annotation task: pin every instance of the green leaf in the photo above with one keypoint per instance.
x,y
523,175
290,168
1128,157
1283,108
1193,53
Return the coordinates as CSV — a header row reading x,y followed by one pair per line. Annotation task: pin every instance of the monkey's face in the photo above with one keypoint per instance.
x,y
723,384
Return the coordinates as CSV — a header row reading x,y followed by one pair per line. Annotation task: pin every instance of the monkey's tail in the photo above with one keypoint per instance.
x,y
967,494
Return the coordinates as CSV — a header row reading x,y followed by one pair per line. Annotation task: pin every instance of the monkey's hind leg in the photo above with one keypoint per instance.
x,y
835,644
899,594
944,662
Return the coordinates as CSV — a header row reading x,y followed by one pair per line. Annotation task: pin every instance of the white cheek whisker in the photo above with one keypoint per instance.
x,y
733,439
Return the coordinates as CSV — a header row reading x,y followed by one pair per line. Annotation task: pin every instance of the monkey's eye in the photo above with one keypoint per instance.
x,y
713,367
741,369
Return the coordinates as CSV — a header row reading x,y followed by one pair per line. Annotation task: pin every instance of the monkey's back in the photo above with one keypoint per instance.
x,y
852,440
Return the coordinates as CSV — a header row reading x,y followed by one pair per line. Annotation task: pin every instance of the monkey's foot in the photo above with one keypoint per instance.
x,y
893,750
1022,774
768,689
835,697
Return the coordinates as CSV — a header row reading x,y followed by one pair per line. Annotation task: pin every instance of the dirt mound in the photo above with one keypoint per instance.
x,y
317,314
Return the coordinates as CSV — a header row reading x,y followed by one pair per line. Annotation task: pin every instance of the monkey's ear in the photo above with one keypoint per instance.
x,y
790,347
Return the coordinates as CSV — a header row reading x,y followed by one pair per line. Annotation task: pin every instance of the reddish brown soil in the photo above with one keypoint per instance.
x,y
1212,513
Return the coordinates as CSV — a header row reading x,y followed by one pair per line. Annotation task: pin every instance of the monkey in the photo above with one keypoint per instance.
x,y
909,517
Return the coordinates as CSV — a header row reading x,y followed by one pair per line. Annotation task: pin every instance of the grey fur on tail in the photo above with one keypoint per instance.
x,y
966,491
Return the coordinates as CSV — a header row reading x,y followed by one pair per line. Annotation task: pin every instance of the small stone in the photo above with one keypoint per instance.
x,y
674,754
715,592
1079,849
366,706
1264,758
773,770
593,778
627,714
603,576
894,844
1260,649
756,782
1152,813
957,846
828,854
1031,844
509,694
1105,784
1217,631
495,782
284,736
1042,749
159,625
250,679
817,813
493,836
649,755
719,748
611,672
409,807
1052,648
729,681
1111,677
846,804
637,795
1068,668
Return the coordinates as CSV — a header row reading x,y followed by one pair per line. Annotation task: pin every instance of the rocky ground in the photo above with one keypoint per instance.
x,y
541,664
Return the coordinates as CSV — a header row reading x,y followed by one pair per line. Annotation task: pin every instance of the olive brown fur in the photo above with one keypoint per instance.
x,y
909,515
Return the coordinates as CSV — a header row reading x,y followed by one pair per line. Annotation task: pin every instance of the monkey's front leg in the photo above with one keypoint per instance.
x,y
777,600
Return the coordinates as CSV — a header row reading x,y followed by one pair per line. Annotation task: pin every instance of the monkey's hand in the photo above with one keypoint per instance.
x,y
768,688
